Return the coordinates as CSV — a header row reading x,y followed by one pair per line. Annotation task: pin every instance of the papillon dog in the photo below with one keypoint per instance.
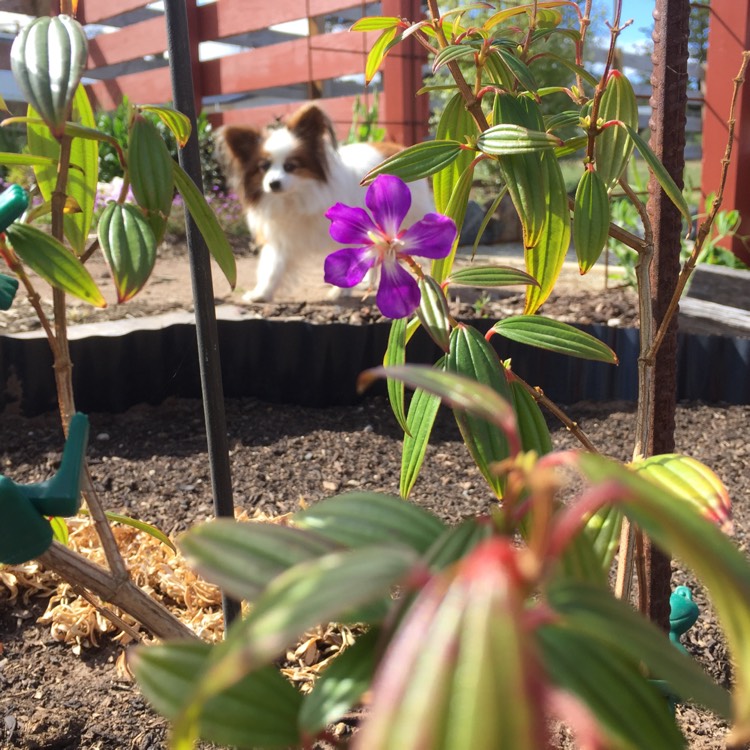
x,y
287,177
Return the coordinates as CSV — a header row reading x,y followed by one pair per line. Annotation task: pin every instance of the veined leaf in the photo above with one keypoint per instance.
x,y
260,710
472,356
26,160
176,121
590,219
544,261
571,146
455,123
678,528
54,263
457,542
375,23
569,118
511,139
692,481
613,147
452,52
395,354
433,313
491,276
417,161
603,531
632,710
456,210
379,50
207,224
129,247
503,15
243,558
423,409
532,428
663,177
555,336
598,614
518,69
361,519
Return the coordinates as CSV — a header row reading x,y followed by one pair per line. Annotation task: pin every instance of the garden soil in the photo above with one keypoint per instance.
x,y
64,685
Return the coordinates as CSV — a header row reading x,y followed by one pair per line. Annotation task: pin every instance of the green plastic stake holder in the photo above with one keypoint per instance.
x,y
25,532
13,202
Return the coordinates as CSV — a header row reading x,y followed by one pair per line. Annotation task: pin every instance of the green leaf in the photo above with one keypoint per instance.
x,y
571,146
342,685
452,52
417,161
596,613
590,219
129,247
176,121
457,542
243,558
457,391
455,123
613,147
395,354
555,336
433,313
54,263
362,519
472,356
260,710
503,15
592,80
456,210
518,69
532,428
207,224
603,531
59,530
689,480
420,420
631,709
375,23
379,50
544,261
26,160
678,528
566,119
491,276
508,139
664,179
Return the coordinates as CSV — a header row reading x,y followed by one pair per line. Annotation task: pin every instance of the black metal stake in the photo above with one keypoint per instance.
x,y
200,267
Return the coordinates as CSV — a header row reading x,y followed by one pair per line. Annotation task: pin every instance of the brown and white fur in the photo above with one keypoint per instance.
x,y
287,177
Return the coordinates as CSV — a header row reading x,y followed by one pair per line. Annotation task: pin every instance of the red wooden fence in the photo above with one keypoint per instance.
x,y
305,62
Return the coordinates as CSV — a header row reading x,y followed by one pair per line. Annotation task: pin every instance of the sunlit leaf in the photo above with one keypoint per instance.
x,y
26,160
555,336
506,139
544,261
417,161
452,52
395,354
433,313
590,219
54,263
420,419
176,121
360,519
59,530
491,276
208,225
375,23
260,710
532,428
243,558
379,50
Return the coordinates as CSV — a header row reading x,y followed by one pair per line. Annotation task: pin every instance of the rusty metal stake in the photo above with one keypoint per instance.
x,y
668,103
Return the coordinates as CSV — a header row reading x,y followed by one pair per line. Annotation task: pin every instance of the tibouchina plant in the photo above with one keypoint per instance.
x,y
475,639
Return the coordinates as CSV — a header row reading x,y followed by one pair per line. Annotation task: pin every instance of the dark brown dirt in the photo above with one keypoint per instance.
x,y
151,463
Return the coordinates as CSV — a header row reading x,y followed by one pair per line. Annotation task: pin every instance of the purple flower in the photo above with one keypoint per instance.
x,y
380,241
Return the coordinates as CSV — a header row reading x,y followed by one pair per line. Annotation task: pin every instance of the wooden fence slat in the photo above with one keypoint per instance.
x,y
97,11
148,87
131,42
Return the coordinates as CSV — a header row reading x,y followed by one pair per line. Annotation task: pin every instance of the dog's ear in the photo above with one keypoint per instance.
x,y
310,123
237,146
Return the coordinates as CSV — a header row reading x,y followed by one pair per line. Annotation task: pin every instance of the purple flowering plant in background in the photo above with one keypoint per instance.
x,y
376,239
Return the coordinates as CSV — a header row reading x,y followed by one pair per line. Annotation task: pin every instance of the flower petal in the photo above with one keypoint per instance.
x,y
431,237
389,200
350,225
398,294
348,266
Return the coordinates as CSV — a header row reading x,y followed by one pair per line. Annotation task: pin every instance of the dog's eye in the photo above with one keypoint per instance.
x,y
264,165
290,166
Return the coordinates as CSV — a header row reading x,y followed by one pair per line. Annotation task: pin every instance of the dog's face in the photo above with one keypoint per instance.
x,y
281,160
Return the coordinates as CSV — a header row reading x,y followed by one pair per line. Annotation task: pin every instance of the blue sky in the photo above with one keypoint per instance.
x,y
641,13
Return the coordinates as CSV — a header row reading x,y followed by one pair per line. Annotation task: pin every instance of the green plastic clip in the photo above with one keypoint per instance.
x,y
25,532
13,202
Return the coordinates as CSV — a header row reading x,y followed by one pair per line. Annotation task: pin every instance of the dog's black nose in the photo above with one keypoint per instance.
x,y
275,186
